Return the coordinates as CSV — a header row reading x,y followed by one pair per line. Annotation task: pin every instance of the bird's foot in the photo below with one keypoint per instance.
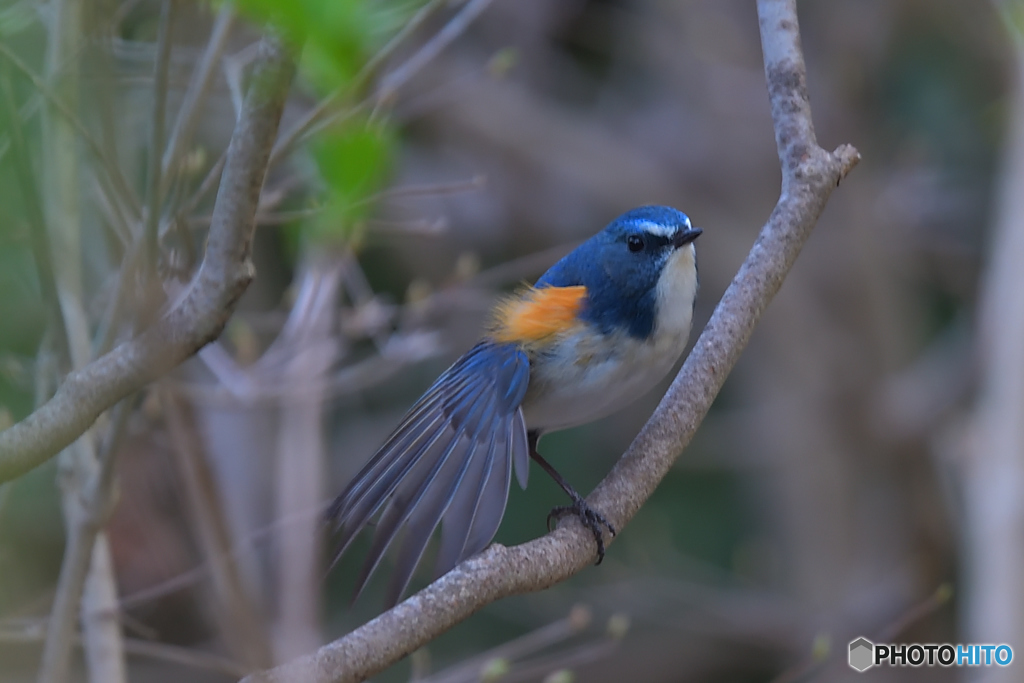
x,y
591,518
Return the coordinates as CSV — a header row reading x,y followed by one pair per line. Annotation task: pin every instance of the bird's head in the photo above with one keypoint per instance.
x,y
637,248
636,271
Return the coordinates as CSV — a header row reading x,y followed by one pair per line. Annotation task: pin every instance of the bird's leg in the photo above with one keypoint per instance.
x,y
591,518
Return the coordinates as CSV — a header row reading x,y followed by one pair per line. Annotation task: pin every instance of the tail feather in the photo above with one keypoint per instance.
x,y
384,460
450,459
418,494
405,502
382,490
493,497
458,519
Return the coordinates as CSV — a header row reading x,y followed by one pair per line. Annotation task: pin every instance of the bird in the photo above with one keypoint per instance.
x,y
597,331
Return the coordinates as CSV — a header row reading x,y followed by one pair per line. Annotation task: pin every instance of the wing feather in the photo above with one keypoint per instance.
x,y
449,459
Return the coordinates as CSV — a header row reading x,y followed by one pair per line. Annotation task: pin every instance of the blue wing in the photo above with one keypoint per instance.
x,y
451,458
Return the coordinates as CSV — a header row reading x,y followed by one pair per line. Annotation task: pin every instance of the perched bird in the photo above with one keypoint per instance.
x,y
596,332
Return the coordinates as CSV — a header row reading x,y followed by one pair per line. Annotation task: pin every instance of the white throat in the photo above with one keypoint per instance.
x,y
676,292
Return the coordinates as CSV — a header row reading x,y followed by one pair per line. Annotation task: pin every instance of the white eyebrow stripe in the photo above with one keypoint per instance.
x,y
659,229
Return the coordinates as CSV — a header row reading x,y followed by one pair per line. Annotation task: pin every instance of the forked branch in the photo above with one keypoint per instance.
x,y
195,319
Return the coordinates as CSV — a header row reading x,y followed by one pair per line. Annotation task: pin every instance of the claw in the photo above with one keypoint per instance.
x,y
591,518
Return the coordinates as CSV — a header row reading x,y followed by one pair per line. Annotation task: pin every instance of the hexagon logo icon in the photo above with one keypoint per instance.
x,y
862,654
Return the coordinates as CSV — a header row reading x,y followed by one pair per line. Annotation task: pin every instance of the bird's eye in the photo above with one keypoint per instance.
x,y
635,243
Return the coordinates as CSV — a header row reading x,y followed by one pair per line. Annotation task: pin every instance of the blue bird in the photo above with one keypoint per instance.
x,y
597,331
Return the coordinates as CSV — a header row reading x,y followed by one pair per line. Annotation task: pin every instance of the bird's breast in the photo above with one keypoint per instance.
x,y
583,374
586,375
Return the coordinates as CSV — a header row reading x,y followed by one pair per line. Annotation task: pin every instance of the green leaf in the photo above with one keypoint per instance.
x,y
353,161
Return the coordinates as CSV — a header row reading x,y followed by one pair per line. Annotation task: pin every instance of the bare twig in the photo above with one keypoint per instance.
x,y
394,81
28,110
199,315
245,545
238,619
198,88
301,456
110,166
184,656
939,598
822,660
426,190
809,175
102,638
86,573
86,579
156,141
209,181
33,204
176,654
544,637
306,124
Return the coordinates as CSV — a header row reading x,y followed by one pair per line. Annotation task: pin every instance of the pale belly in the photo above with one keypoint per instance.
x,y
578,381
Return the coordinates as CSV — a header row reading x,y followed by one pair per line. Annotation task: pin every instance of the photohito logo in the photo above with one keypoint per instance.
x,y
864,654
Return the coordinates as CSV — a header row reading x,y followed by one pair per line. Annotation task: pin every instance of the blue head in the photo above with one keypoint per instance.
x,y
633,269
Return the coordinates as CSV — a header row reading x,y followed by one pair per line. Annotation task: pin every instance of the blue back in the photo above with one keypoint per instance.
x,y
621,285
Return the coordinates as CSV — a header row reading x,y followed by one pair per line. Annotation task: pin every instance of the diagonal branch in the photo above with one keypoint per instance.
x,y
195,319
809,175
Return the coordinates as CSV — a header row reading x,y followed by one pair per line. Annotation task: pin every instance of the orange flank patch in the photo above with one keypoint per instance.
x,y
536,314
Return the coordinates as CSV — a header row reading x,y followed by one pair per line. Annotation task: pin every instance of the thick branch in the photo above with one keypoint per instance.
x,y
199,316
809,176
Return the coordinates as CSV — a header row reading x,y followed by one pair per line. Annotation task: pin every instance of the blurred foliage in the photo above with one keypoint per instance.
x,y
353,160
334,35
1012,14
337,38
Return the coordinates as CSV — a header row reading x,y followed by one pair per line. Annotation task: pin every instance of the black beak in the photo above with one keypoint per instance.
x,y
686,236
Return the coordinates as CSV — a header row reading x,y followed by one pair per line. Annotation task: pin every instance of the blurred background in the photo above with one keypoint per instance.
x,y
861,473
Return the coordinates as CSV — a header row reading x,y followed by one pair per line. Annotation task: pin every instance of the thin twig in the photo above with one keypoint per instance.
x,y
110,324
309,337
154,171
810,174
394,81
939,598
570,658
27,111
41,250
191,577
425,190
210,181
238,385
546,636
110,166
184,656
198,89
116,219
88,502
821,655
199,316
305,125
78,464
143,648
239,622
